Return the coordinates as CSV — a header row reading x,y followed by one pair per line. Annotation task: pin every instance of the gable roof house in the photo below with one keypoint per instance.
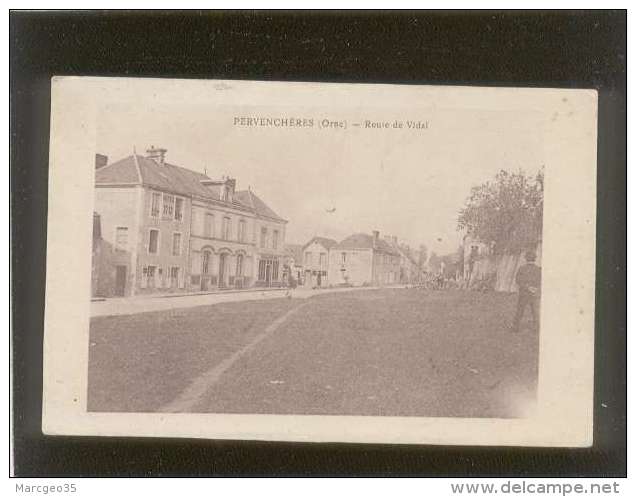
x,y
363,259
315,261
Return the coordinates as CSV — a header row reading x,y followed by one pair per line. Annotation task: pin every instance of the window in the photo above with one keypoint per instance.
x,y
121,238
176,244
205,267
323,260
263,237
178,209
343,257
227,228
168,206
208,229
241,230
307,258
154,204
153,242
239,265
275,240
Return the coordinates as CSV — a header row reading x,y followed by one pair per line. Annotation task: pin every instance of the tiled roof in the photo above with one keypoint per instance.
x,y
250,199
142,170
136,169
123,171
325,242
179,179
364,241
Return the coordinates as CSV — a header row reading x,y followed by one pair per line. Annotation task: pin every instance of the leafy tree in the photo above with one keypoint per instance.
x,y
507,211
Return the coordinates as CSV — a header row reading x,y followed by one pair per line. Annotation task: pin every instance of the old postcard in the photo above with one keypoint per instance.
x,y
320,262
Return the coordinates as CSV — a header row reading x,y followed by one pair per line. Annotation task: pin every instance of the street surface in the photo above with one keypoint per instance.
x,y
391,352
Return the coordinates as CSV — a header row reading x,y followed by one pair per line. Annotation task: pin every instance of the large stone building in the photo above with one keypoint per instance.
x,y
166,228
363,259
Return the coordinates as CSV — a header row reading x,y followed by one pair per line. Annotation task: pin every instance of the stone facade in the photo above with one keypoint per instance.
x,y
169,229
362,259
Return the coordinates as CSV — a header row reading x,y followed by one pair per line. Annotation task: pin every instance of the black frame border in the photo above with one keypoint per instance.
x,y
564,49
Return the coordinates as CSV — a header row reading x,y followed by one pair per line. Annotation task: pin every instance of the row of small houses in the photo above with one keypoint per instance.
x,y
359,260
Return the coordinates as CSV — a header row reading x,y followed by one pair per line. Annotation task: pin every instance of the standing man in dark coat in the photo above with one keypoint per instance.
x,y
529,282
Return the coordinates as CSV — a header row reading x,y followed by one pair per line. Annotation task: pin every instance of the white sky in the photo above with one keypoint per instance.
x,y
408,183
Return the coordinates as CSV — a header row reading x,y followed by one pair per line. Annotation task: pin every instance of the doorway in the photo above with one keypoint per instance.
x,y
268,274
120,281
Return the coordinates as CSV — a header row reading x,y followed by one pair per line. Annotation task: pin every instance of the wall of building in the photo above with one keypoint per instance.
x,y
199,221
386,268
210,242
166,271
269,257
316,265
117,207
165,278
356,270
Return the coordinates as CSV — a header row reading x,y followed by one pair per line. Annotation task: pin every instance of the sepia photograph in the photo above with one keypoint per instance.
x,y
313,253
380,273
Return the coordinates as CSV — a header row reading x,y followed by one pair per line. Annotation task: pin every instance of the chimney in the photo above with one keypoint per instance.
x,y
156,154
231,185
100,160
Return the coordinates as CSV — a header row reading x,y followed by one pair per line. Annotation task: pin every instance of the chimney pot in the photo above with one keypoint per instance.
x,y
157,154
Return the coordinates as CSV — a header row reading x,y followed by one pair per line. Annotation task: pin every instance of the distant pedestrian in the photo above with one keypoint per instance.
x,y
528,280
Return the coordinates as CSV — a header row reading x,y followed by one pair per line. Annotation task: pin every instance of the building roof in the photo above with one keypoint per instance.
x,y
140,170
295,250
250,199
364,241
325,242
136,169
